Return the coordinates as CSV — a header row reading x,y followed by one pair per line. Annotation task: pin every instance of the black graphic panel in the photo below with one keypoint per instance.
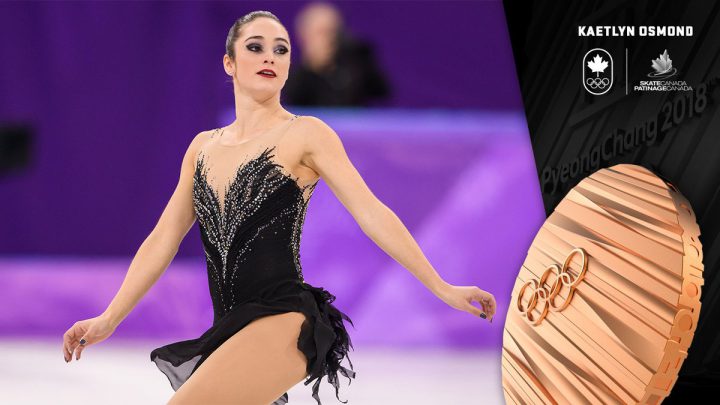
x,y
597,94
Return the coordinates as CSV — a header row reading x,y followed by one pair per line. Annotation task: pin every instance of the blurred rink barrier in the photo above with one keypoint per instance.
x,y
463,182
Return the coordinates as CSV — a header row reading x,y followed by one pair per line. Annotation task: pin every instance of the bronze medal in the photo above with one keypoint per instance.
x,y
606,303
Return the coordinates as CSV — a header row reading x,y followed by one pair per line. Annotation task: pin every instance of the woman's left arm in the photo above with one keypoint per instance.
x,y
325,153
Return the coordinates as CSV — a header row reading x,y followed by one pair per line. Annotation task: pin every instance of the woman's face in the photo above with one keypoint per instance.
x,y
263,45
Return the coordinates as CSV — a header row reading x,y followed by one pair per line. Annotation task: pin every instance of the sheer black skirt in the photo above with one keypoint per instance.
x,y
323,338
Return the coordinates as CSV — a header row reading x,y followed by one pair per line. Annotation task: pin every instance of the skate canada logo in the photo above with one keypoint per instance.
x,y
597,71
663,69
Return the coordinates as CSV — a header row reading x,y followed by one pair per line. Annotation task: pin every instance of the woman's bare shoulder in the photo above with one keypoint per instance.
x,y
202,138
206,135
310,121
314,129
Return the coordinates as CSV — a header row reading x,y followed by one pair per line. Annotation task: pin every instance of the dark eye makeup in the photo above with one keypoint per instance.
x,y
258,48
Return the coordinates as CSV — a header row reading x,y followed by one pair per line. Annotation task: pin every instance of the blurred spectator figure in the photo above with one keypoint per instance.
x,y
335,69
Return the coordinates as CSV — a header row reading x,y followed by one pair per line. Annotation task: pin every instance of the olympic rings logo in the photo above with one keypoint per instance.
x,y
542,295
597,83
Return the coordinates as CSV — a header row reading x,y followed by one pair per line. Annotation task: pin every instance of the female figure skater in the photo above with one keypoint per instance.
x,y
248,184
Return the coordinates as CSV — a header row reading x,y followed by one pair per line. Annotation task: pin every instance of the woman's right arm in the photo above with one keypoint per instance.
x,y
161,245
149,263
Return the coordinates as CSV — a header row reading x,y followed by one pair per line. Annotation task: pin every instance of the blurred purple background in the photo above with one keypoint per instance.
x,y
116,91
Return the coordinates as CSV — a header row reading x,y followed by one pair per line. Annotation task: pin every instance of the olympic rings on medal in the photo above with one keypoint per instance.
x,y
541,294
597,83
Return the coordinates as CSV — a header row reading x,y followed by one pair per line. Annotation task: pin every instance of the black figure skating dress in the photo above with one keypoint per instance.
x,y
251,237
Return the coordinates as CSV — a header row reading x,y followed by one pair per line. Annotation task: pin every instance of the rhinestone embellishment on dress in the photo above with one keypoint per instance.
x,y
261,196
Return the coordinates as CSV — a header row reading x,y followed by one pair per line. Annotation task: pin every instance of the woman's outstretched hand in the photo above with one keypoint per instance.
x,y
461,297
85,333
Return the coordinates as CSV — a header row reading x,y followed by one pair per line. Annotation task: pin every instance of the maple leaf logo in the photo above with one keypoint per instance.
x,y
597,65
663,64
